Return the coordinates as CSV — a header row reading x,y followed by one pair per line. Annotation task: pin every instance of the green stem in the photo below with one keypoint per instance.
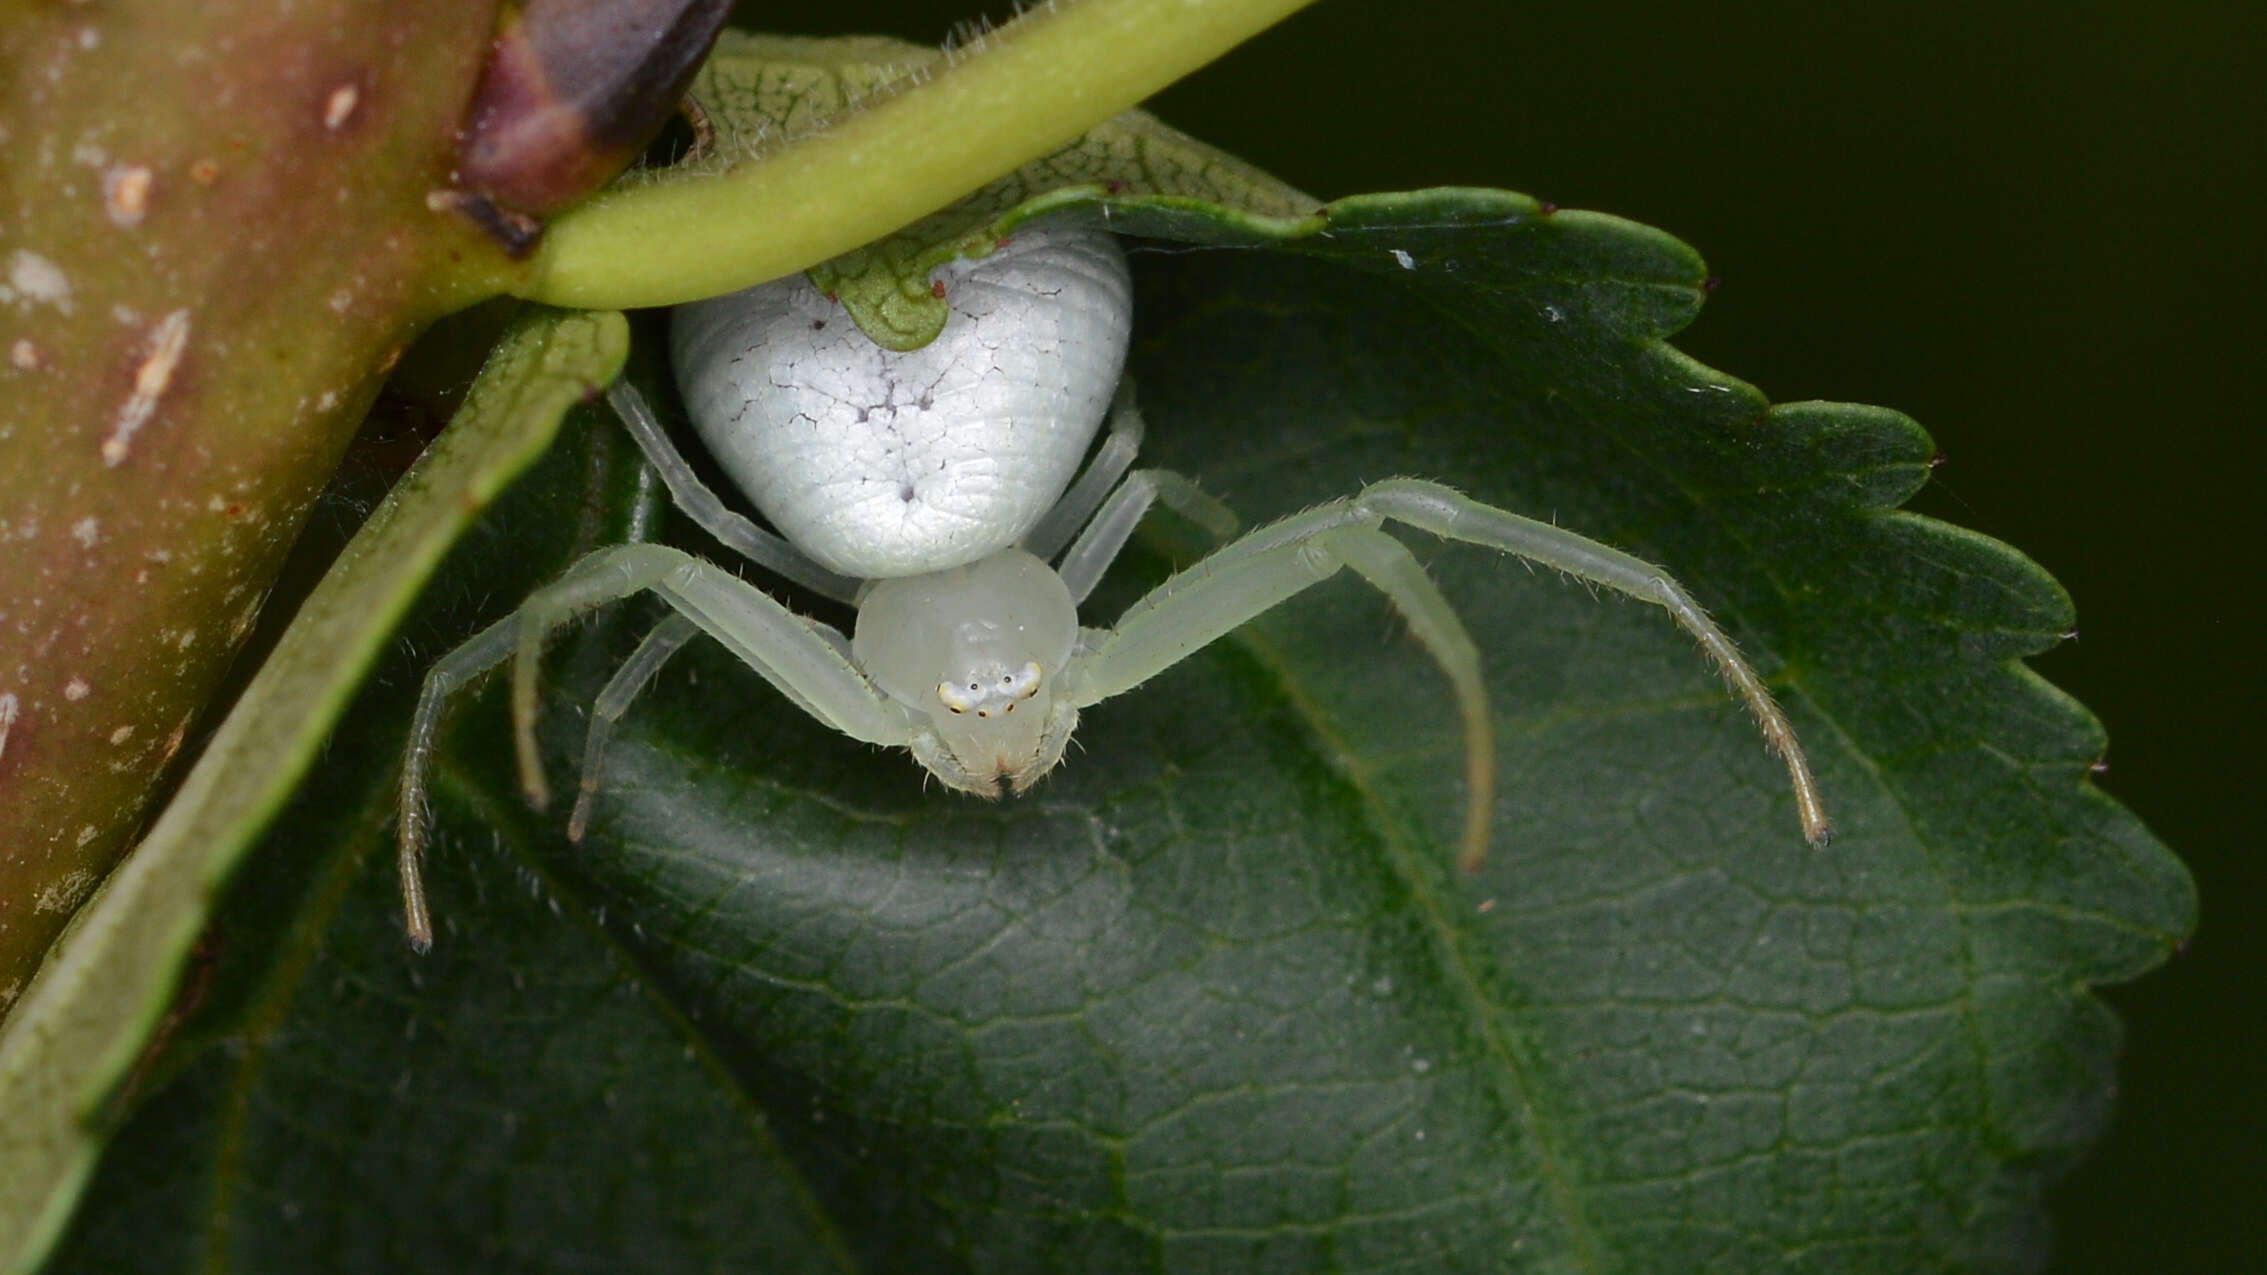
x,y
1038,83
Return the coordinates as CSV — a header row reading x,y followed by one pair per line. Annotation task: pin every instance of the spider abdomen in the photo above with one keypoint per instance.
x,y
880,463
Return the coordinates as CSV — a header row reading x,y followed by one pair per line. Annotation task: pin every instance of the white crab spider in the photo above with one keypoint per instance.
x,y
932,489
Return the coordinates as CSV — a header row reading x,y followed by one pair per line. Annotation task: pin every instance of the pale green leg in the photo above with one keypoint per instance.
x,y
1105,536
737,532
659,645
1256,574
607,709
807,666
805,662
1268,566
451,673
1453,515
1111,460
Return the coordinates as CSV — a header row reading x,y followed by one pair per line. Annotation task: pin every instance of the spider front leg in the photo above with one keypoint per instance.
x,y
1267,567
1256,574
1455,516
805,664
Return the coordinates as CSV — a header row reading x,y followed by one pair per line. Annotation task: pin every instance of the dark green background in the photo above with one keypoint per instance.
x,y
2034,227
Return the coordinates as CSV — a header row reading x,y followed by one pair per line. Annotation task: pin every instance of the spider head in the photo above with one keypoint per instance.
x,y
977,650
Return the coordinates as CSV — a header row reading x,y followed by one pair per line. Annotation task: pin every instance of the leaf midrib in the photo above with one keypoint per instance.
x,y
1455,970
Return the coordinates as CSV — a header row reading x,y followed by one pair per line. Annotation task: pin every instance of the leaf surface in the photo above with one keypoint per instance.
x,y
1212,997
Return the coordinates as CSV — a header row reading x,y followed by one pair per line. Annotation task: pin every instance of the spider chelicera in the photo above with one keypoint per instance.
x,y
933,490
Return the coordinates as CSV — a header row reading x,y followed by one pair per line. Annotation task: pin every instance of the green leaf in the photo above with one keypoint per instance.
x,y
108,986
1212,997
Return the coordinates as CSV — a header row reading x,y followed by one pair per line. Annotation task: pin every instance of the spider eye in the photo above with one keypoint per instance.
x,y
984,696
